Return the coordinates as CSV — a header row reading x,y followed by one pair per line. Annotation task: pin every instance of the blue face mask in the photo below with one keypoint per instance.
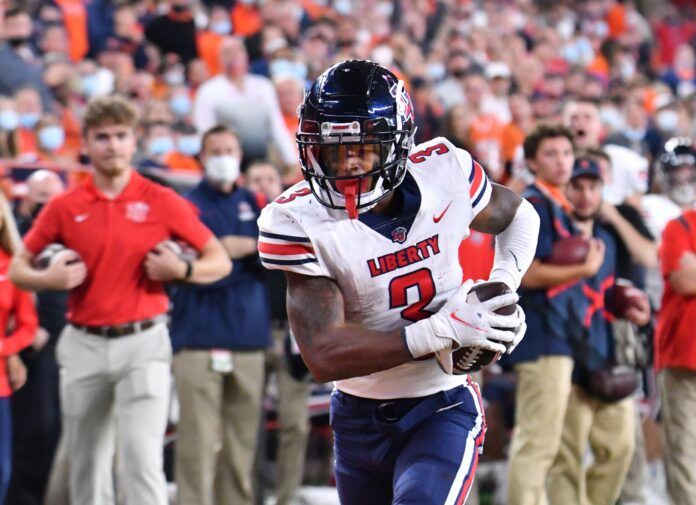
x,y
160,145
180,105
221,27
190,145
28,120
51,138
9,120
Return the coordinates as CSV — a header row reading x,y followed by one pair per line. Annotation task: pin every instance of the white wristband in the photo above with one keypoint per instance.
x,y
427,336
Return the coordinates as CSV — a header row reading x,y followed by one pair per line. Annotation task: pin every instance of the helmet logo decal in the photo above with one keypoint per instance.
x,y
404,107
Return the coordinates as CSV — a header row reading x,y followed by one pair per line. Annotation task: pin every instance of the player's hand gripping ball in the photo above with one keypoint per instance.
x,y
468,359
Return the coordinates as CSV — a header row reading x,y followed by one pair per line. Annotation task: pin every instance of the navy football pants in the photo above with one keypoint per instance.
x,y
421,451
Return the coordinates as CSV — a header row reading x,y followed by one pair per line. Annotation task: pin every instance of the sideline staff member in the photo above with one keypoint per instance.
x,y
115,355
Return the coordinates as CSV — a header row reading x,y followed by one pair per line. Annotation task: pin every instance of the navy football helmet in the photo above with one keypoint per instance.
x,y
355,131
677,170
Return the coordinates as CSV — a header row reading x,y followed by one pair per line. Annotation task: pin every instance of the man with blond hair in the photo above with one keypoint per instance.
x,y
115,354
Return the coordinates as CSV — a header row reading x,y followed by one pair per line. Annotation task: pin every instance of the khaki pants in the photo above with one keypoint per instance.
x,y
115,392
543,387
633,490
293,418
678,392
218,427
609,428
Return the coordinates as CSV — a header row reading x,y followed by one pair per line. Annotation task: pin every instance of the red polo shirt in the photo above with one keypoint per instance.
x,y
113,237
19,306
675,339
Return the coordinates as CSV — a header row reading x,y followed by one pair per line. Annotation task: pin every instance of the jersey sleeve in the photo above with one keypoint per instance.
x,y
183,221
45,230
675,242
284,245
479,186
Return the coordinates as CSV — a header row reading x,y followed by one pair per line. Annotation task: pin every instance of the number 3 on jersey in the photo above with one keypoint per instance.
x,y
422,279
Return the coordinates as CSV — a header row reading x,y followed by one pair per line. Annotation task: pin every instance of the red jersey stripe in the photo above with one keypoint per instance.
x,y
265,247
478,177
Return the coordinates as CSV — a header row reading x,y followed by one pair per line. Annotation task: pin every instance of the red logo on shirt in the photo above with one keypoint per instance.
x,y
436,219
137,211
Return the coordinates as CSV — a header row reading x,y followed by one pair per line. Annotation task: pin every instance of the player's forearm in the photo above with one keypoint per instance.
x,y
541,275
346,352
515,246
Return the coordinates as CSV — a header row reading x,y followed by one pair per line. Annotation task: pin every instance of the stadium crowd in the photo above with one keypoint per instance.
x,y
574,104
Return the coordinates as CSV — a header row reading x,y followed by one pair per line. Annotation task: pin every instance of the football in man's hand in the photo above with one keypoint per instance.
x,y
52,253
625,296
569,251
472,359
181,249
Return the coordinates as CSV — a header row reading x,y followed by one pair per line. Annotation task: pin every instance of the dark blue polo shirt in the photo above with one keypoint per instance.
x,y
600,341
551,313
234,312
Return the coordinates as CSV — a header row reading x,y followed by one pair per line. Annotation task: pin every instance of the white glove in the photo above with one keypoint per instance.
x,y
519,331
460,323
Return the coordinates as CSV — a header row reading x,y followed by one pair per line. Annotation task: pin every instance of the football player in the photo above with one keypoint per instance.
x,y
369,245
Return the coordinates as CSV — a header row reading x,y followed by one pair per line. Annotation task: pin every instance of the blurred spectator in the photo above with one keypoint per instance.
x,y
554,302
484,129
605,426
19,307
246,103
174,33
22,74
67,104
456,128
157,144
638,135
292,389
498,76
450,90
514,132
675,353
50,136
127,36
104,376
681,78
75,20
209,41
188,145
17,31
54,43
428,112
629,170
36,408
30,110
219,334
9,123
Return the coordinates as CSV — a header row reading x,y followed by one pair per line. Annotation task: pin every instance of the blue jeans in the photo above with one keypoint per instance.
x,y
5,447
420,451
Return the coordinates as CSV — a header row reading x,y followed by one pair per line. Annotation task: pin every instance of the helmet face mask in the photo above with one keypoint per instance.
x,y
353,151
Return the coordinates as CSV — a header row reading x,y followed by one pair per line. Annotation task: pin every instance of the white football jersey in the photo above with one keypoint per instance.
x,y
387,282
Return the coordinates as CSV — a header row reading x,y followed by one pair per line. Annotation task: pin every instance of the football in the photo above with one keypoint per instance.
x,y
181,249
472,359
52,253
569,251
624,296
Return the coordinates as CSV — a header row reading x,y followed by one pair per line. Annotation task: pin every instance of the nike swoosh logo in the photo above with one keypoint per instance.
x,y
436,219
516,263
81,217
453,315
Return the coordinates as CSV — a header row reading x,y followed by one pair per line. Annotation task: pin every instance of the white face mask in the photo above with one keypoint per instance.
x,y
667,120
222,169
